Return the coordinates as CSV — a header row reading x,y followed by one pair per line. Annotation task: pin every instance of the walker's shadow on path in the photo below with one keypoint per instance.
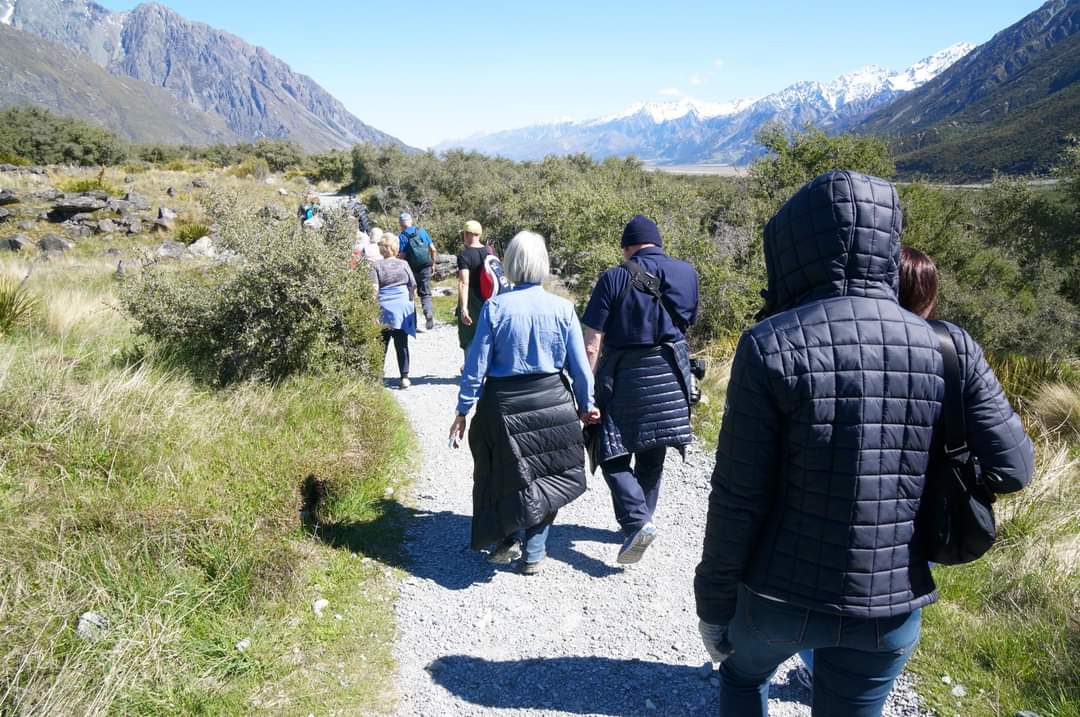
x,y
578,685
437,545
424,381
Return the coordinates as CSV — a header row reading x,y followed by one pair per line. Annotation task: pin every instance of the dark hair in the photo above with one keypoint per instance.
x,y
918,282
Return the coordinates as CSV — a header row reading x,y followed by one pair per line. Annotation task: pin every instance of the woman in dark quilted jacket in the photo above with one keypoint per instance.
x,y
822,458
526,440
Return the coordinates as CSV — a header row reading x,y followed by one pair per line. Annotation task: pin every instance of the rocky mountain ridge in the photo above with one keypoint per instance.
x,y
687,131
257,94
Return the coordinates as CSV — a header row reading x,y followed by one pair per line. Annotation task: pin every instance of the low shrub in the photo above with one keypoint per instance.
x,y
10,158
97,184
253,168
290,304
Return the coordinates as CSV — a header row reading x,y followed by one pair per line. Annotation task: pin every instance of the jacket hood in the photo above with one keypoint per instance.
x,y
837,236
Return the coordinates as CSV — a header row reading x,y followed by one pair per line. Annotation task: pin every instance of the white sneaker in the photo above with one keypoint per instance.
x,y
634,548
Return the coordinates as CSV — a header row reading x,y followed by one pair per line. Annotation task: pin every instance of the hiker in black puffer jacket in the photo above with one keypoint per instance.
x,y
637,345
822,459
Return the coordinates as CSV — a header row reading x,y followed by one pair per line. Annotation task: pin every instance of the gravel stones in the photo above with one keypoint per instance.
x,y
584,637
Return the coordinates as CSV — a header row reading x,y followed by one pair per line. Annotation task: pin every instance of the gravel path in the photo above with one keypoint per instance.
x,y
584,637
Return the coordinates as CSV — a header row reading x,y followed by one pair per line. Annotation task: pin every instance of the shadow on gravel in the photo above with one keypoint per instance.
x,y
579,685
437,546
430,381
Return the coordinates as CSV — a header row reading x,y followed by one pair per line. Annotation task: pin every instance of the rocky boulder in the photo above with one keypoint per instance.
x,y
200,183
54,242
19,242
7,197
166,214
275,212
203,248
76,203
120,206
170,249
445,266
106,226
137,201
4,214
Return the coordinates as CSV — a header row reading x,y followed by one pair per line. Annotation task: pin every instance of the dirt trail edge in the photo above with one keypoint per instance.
x,y
584,637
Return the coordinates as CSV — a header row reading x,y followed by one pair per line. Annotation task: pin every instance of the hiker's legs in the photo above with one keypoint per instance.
x,y
386,336
856,677
423,289
534,545
763,634
648,469
627,497
401,348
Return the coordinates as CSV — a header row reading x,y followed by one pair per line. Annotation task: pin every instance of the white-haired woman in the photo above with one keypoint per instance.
x,y
528,452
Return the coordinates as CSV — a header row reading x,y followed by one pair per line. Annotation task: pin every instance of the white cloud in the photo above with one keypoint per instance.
x,y
719,62
671,92
700,78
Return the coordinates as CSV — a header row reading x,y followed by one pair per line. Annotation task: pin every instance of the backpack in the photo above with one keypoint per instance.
x,y
493,280
955,523
417,250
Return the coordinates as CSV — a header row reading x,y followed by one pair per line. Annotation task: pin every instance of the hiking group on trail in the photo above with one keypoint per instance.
x,y
860,440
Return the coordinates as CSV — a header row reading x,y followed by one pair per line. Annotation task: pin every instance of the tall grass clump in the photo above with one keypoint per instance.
x,y
288,303
17,303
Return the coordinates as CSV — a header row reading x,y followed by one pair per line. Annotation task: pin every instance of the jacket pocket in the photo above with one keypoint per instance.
x,y
775,622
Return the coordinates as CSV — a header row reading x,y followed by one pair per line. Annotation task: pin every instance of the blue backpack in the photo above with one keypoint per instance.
x,y
417,248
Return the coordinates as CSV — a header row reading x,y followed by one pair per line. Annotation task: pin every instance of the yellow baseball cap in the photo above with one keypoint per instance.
x,y
473,227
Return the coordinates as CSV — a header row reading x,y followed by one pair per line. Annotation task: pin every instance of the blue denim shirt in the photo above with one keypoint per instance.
x,y
526,330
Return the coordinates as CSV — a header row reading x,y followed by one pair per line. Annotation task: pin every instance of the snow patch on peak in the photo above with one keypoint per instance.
x,y
7,11
928,68
660,112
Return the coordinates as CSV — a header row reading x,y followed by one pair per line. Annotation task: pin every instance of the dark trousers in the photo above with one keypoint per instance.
x,y
856,660
634,490
423,288
401,348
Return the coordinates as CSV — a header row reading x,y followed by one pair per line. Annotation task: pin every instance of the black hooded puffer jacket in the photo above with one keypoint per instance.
x,y
830,411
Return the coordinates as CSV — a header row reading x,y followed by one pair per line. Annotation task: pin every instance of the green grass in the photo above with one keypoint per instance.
x,y
96,184
173,510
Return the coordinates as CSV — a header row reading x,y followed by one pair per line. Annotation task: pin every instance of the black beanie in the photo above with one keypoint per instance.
x,y
641,230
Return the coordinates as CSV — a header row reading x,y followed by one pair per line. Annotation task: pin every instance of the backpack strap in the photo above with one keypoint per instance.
x,y
955,424
651,284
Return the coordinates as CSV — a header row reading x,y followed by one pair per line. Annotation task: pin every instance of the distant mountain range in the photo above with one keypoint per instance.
x,y
1006,106
254,93
691,132
42,73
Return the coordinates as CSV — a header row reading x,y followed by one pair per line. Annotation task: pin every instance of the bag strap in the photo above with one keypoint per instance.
x,y
653,288
955,424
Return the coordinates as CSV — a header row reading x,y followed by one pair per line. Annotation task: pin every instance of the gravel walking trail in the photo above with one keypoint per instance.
x,y
583,637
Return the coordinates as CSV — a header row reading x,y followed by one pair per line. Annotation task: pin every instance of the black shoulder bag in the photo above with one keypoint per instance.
x,y
955,523
650,284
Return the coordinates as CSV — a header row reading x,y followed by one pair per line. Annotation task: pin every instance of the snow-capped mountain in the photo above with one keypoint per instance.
x,y
687,131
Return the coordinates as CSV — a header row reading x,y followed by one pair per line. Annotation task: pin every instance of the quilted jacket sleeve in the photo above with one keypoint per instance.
x,y
994,432
743,484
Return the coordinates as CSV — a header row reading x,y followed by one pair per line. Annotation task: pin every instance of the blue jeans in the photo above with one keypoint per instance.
x,y
634,491
856,660
533,540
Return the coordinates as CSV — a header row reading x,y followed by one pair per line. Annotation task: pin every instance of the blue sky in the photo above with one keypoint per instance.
x,y
430,71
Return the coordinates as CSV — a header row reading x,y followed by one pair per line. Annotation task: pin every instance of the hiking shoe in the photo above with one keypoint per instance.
x,y
528,568
405,382
430,323
635,546
505,554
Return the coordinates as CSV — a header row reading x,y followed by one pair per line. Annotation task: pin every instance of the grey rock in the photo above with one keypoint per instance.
x,y
78,231
112,251
106,226
18,242
203,247
200,183
120,206
4,214
25,225
121,269
138,201
82,218
49,195
75,203
91,625
283,191
8,197
170,249
128,179
55,243
166,213
171,191
162,225
134,225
